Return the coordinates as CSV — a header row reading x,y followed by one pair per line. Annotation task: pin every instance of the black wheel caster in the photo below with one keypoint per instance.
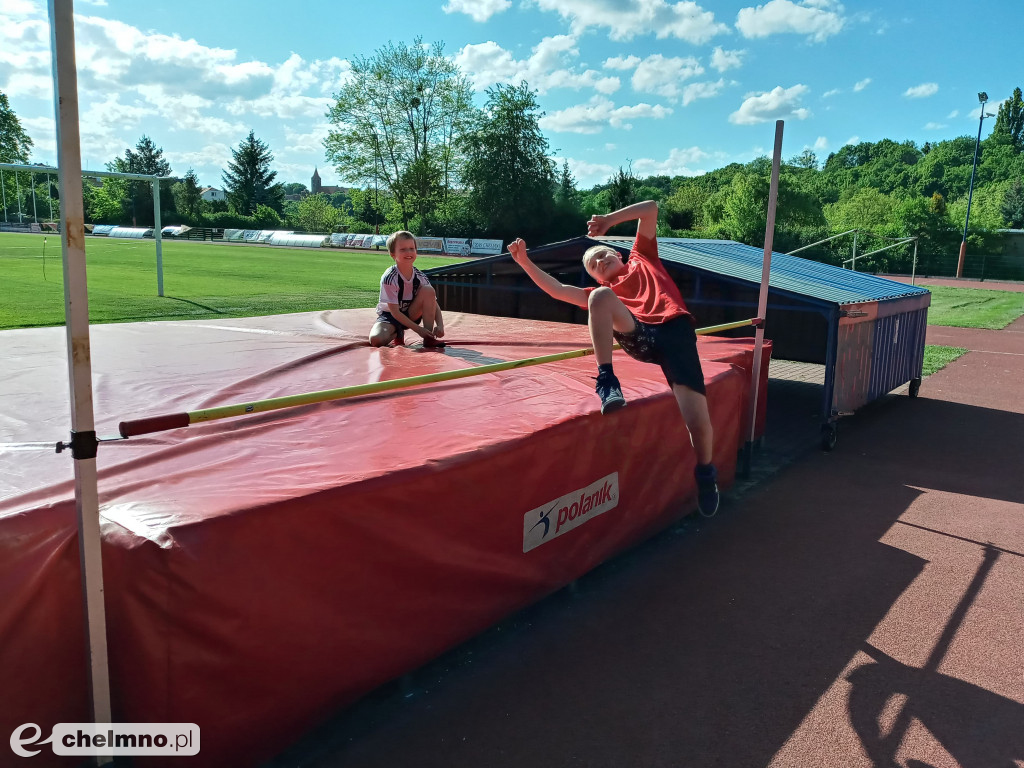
x,y
828,437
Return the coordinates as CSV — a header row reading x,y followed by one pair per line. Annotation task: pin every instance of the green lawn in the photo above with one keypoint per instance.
x,y
974,307
936,358
201,280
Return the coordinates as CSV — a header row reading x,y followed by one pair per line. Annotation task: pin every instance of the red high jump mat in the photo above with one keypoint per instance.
x,y
263,571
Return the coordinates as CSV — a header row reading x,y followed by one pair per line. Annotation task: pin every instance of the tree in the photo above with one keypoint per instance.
x,y
806,159
188,197
249,181
566,192
510,177
1013,205
1010,120
316,214
398,123
294,188
15,144
147,159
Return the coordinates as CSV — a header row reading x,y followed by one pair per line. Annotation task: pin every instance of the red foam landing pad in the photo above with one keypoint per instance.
x,y
263,571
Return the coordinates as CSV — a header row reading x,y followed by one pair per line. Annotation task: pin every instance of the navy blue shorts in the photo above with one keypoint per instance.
x,y
671,345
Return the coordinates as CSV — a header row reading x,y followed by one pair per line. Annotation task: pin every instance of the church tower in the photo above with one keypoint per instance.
x,y
314,183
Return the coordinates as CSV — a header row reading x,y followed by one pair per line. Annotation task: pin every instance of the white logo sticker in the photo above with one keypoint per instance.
x,y
551,520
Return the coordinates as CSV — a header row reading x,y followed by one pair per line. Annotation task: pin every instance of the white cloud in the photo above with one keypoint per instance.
x,y
590,174
622,62
921,91
309,143
830,94
817,20
19,9
821,143
725,60
954,113
935,126
625,19
478,10
549,66
134,82
852,140
677,163
776,104
695,91
609,147
860,85
594,115
664,76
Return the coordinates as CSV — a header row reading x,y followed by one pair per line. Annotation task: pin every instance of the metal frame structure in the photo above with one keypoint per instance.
x,y
153,180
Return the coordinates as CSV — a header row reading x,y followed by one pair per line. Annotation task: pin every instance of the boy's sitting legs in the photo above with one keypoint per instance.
x,y
384,332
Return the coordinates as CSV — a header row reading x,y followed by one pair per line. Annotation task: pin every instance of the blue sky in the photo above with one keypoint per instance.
x,y
675,88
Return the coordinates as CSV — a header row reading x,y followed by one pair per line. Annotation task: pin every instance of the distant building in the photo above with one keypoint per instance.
x,y
213,194
316,188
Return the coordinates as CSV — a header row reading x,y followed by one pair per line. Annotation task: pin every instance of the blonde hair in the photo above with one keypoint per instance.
x,y
395,237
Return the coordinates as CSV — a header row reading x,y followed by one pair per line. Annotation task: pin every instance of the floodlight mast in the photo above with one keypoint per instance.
x,y
83,443
982,99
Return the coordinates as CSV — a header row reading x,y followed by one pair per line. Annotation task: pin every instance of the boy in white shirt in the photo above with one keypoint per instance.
x,y
406,299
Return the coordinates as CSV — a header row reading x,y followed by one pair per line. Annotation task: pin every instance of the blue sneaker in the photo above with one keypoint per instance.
x,y
707,489
610,392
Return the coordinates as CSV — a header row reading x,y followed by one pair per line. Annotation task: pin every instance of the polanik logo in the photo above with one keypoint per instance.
x,y
551,520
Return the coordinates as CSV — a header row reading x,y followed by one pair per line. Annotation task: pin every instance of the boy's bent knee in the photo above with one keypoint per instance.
x,y
601,298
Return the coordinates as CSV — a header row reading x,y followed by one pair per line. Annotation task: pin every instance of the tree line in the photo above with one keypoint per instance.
x,y
406,135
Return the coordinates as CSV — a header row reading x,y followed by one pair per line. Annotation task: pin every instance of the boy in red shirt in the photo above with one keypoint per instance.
x,y
639,306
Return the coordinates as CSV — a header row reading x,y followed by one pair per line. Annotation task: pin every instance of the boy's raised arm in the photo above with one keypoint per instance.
x,y
552,287
646,212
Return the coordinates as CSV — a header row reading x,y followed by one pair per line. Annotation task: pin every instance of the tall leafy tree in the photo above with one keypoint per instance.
x,y
622,188
15,147
248,179
1010,120
15,143
510,177
147,158
316,214
398,122
1013,205
188,197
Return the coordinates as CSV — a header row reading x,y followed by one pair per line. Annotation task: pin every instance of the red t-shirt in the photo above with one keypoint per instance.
x,y
646,288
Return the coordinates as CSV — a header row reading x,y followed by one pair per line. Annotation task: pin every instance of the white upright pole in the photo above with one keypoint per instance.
x,y
156,236
762,301
76,308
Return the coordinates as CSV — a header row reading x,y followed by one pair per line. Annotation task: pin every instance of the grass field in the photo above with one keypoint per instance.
x,y
936,357
974,307
201,280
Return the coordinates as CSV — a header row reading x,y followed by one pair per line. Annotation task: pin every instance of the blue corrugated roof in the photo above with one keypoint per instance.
x,y
788,273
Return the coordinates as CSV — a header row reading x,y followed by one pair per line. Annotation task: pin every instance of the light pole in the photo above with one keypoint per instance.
x,y
982,99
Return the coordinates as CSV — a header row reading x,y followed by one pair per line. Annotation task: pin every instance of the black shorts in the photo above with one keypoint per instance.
x,y
671,345
383,316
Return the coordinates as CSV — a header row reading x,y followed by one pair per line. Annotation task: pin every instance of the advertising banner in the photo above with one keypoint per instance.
x,y
435,244
487,247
